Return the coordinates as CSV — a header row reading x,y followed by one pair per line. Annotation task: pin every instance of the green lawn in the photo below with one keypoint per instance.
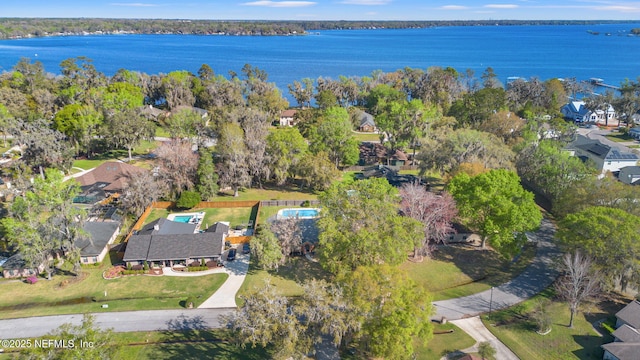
x,y
235,216
269,192
287,279
459,270
144,148
66,294
516,329
619,137
268,211
446,339
366,136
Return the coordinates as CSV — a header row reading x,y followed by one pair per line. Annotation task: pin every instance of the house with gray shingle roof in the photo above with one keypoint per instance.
x,y
629,174
169,249
95,246
626,338
366,121
604,157
164,226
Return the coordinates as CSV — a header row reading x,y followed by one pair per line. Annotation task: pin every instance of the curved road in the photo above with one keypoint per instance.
x,y
536,277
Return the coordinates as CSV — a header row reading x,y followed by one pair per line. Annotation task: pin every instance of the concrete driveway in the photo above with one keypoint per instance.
x,y
476,329
225,297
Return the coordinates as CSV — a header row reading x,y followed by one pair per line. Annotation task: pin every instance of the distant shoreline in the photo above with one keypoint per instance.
x,y
23,28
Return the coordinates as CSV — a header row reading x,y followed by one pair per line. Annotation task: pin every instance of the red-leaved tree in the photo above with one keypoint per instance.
x,y
434,211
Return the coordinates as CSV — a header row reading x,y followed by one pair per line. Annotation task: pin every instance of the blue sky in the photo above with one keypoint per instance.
x,y
328,9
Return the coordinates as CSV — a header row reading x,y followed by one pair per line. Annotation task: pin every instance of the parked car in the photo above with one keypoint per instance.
x,y
246,248
231,255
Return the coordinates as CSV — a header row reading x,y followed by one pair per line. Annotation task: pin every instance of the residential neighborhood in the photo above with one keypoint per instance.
x,y
355,219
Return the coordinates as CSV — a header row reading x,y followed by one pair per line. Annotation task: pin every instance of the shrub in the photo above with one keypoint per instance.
x,y
197,268
145,266
32,280
202,262
188,199
608,325
133,272
306,203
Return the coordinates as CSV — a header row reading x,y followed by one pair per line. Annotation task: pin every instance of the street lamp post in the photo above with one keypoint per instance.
x,y
491,301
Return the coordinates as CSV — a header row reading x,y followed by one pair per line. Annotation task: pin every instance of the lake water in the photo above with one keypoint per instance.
x,y
541,51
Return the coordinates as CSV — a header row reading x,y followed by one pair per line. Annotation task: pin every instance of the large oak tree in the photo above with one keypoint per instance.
x,y
497,207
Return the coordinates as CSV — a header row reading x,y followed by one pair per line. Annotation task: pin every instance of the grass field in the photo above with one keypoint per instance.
x,y
516,329
360,136
458,270
287,279
144,148
67,294
269,192
443,342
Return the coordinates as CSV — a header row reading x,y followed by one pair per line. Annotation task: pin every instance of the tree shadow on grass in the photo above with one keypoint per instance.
x,y
590,346
188,338
484,266
300,269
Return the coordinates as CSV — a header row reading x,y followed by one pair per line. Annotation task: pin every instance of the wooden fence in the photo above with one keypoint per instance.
x,y
297,203
238,239
201,205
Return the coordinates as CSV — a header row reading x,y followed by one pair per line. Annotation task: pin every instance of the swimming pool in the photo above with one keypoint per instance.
x,y
298,213
182,218
186,218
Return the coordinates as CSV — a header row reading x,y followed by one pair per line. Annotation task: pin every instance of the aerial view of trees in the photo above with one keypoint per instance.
x,y
495,206
206,135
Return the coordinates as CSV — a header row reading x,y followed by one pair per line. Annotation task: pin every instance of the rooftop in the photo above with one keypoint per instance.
x,y
99,234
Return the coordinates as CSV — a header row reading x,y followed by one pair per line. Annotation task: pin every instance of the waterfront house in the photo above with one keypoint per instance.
x,y
626,338
578,112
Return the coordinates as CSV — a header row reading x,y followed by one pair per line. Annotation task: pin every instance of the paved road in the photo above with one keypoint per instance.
x,y
475,328
535,278
152,320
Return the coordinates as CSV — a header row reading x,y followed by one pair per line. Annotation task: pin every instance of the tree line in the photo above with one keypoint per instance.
x,y
478,135
11,28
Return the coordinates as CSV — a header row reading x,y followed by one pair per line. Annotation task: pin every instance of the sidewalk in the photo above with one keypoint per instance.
x,y
536,277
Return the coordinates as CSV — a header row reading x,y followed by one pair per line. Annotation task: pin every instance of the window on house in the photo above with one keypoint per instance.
x,y
95,259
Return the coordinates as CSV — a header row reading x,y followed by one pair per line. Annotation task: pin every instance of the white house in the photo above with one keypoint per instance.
x,y
287,117
578,112
604,157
